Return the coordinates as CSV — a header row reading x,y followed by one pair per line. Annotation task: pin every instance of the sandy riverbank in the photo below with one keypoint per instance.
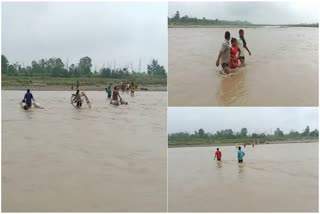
x,y
82,88
233,144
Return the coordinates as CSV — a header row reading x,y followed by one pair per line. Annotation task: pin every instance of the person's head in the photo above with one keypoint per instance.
x,y
115,88
78,91
227,35
217,149
239,147
233,41
241,33
28,90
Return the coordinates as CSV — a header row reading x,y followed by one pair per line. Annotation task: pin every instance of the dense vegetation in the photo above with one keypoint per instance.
x,y
186,20
229,136
54,71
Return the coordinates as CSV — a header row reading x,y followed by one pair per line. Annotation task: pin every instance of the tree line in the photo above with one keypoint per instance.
x,y
54,67
187,20
230,134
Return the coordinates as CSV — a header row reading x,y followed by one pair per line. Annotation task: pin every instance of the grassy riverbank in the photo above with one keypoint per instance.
x,y
58,83
237,26
228,142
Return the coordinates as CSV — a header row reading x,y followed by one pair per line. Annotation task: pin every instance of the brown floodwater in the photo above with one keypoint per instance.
x,y
107,158
282,70
273,178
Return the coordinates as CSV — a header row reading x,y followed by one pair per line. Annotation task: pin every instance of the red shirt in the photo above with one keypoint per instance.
x,y
234,62
218,154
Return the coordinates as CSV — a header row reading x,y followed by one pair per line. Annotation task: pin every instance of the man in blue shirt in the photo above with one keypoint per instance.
x,y
109,91
240,155
28,99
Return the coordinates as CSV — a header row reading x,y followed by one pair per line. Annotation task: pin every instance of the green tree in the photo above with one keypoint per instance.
x,y
306,131
293,133
314,133
155,69
201,133
176,16
4,64
12,70
244,132
84,66
278,133
105,72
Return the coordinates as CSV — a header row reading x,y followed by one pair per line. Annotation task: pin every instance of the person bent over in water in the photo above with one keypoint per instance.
x,y
218,155
115,95
77,98
28,97
224,54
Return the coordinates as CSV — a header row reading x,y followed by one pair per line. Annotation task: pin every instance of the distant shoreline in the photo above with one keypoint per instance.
x,y
239,26
233,144
82,88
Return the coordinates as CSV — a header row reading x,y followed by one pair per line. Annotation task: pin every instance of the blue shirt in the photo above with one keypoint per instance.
x,y
240,155
28,98
109,91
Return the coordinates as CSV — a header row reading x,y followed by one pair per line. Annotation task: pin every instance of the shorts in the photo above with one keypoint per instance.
x,y
240,161
241,58
225,65
219,159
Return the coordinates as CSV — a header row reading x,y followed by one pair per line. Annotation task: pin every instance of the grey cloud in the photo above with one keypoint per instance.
x,y
255,12
255,119
105,31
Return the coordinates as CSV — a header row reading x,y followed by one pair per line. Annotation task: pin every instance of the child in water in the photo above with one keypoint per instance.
x,y
234,60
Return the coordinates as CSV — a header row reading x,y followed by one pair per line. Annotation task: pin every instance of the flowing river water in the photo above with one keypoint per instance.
x,y
107,158
273,178
282,70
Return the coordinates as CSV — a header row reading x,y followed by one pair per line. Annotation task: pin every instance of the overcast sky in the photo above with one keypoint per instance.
x,y
254,119
104,31
292,12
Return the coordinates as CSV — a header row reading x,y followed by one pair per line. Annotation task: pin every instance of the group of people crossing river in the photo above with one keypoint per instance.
x,y
234,56
241,154
78,98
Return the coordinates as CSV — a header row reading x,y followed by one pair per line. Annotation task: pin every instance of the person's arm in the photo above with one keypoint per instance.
x,y
215,156
223,48
244,154
32,98
119,96
239,52
248,50
218,60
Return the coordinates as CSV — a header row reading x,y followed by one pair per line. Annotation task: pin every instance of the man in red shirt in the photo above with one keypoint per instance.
x,y
218,155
